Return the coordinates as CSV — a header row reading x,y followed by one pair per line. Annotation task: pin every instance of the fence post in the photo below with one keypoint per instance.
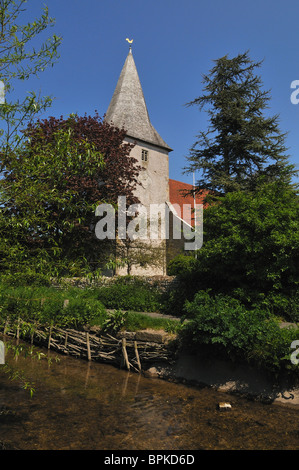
x,y
49,341
88,346
137,355
125,355
65,340
18,328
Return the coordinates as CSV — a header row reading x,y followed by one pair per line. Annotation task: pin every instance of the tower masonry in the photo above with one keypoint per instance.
x,y
128,110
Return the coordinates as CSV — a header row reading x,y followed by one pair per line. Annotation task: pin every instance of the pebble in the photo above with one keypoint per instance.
x,y
222,406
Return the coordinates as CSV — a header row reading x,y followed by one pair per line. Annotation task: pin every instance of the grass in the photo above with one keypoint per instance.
x,y
221,323
139,321
46,304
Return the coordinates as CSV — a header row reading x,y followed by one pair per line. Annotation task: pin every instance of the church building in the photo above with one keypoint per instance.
x,y
128,110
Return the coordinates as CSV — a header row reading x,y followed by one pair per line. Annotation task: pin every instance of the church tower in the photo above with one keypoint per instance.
x,y
128,110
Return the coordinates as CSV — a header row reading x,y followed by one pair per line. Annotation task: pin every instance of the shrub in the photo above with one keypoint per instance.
x,y
224,325
29,278
115,321
250,251
180,264
129,293
173,300
281,305
47,305
251,241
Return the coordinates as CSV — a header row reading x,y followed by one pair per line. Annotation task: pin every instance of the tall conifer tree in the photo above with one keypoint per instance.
x,y
242,145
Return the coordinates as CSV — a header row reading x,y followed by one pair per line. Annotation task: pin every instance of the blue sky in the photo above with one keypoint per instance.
x,y
175,42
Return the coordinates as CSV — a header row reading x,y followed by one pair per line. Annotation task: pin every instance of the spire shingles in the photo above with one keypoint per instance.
x,y
128,109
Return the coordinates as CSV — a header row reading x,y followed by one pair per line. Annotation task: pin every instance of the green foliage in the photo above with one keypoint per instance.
x,y
252,243
44,218
138,321
174,299
241,144
181,263
285,306
250,252
29,278
129,293
115,321
65,308
50,192
72,307
20,60
228,329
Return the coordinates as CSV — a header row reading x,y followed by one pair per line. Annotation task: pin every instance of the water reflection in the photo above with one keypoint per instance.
x,y
88,405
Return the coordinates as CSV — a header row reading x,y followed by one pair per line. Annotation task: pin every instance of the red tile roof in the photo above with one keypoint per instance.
x,y
178,194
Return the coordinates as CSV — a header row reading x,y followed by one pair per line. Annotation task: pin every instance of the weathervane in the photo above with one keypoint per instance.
x,y
130,42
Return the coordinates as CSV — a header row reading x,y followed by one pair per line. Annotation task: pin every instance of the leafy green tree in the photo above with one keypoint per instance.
x,y
45,213
140,253
242,145
251,244
250,251
20,60
51,187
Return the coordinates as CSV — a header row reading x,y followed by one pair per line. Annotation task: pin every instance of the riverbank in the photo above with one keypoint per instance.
x,y
227,377
152,353
221,375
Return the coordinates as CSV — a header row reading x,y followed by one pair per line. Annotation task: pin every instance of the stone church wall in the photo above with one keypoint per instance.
x,y
162,282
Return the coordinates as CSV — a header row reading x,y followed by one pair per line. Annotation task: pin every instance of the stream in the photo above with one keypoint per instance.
x,y
81,405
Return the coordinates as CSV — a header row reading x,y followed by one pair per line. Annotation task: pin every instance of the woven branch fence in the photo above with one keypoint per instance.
x,y
83,344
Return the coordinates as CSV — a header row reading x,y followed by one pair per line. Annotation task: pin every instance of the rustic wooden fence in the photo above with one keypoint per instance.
x,y
86,345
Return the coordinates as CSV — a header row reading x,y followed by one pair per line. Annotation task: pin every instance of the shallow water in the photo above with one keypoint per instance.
x,y
92,406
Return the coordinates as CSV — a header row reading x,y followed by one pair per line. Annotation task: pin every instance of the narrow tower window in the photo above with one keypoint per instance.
x,y
144,155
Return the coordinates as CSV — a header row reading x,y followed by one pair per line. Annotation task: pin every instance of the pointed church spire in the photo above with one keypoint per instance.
x,y
128,109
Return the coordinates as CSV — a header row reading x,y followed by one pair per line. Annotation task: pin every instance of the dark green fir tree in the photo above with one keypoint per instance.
x,y
242,146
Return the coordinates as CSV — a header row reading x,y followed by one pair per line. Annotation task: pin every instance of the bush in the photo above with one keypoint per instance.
x,y
250,252
181,264
129,293
174,299
281,305
115,321
30,278
251,242
47,305
222,324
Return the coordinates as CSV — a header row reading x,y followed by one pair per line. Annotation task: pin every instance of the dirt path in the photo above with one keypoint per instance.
x,y
152,314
